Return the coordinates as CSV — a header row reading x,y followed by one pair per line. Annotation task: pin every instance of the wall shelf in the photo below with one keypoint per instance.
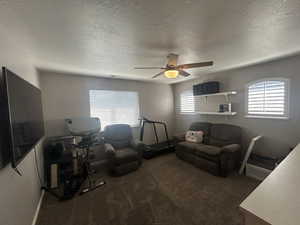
x,y
214,110
226,94
217,113
219,93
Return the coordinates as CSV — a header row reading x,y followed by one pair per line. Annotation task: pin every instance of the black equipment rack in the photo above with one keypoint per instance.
x,y
158,147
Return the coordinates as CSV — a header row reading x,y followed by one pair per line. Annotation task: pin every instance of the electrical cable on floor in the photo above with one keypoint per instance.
x,y
17,171
37,168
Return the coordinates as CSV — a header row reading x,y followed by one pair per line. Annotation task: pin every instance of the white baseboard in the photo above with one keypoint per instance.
x,y
36,214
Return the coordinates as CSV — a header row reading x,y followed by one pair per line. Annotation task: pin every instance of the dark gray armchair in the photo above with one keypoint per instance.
x,y
124,154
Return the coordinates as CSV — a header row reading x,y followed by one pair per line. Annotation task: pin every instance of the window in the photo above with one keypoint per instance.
x,y
268,98
187,104
113,107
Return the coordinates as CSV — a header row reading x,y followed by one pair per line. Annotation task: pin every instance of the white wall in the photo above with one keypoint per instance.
x,y
66,95
19,195
279,135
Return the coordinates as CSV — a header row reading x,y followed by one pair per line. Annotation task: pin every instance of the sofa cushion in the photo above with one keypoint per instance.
x,y
188,146
208,149
205,127
198,149
218,142
224,134
126,155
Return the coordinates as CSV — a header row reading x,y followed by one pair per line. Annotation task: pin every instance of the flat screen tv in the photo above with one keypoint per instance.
x,y
22,117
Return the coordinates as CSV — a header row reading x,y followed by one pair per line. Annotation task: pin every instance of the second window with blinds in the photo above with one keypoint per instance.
x,y
187,102
115,107
268,98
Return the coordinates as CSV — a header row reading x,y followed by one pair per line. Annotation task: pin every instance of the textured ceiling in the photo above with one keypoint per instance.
x,y
110,37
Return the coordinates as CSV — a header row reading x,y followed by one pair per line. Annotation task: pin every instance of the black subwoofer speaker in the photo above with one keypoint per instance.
x,y
210,87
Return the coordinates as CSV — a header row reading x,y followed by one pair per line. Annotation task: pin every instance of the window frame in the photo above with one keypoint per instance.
x,y
138,102
180,108
286,115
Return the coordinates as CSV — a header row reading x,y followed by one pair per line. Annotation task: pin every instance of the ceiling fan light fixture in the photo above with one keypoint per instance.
x,y
171,73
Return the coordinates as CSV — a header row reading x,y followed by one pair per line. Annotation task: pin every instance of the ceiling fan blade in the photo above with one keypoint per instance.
x,y
195,65
159,74
184,73
148,68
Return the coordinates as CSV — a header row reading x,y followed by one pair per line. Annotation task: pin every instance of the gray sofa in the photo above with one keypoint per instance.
x,y
220,151
123,153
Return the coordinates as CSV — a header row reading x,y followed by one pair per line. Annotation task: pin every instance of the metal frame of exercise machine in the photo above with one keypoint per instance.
x,y
159,147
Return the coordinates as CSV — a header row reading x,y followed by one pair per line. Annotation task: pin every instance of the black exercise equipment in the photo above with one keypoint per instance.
x,y
88,129
62,180
159,147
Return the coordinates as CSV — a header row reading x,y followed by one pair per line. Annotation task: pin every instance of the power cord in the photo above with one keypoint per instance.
x,y
17,171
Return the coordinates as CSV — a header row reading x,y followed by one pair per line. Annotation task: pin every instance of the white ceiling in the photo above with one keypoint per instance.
x,y
110,37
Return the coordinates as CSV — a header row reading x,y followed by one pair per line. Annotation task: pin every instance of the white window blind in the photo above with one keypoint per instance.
x,y
187,103
114,107
268,98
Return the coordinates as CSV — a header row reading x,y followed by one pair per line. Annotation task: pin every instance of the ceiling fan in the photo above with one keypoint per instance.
x,y
172,70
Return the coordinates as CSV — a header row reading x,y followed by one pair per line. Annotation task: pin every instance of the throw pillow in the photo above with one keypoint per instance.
x,y
194,136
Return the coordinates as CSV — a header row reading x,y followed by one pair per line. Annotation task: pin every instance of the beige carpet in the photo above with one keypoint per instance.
x,y
164,191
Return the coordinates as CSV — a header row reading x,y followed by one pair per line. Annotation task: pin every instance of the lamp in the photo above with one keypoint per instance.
x,y
171,73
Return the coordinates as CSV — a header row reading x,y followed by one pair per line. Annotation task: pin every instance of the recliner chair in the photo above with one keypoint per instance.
x,y
124,154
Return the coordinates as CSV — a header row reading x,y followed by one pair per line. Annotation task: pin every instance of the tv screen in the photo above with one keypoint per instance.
x,y
25,115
